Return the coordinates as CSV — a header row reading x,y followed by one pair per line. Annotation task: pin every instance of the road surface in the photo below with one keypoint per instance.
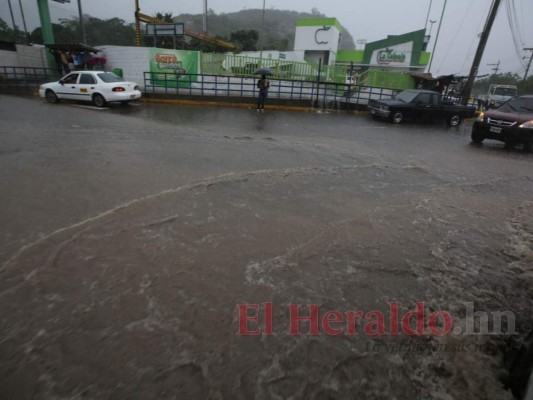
x,y
161,251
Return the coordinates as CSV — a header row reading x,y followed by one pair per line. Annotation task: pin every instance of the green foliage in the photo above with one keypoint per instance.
x,y
245,40
114,31
481,86
526,87
8,34
167,17
277,32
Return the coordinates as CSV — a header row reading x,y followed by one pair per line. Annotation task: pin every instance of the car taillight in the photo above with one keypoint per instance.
x,y
118,89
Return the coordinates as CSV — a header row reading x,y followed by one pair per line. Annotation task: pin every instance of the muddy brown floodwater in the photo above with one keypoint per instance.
x,y
153,288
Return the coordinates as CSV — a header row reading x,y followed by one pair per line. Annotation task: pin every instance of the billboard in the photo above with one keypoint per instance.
x,y
174,68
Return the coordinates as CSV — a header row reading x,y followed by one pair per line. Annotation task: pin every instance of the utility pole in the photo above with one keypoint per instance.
x,y
205,16
496,67
465,93
529,63
83,37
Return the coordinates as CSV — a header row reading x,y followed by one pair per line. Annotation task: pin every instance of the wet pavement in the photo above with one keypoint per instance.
x,y
131,235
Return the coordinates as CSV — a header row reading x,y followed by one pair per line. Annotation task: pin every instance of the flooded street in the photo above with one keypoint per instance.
x,y
163,251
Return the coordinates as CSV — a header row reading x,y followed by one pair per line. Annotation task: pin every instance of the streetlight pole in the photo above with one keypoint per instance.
x,y
431,26
262,35
429,9
437,37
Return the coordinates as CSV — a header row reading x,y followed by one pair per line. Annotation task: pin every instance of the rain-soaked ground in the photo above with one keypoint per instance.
x,y
136,241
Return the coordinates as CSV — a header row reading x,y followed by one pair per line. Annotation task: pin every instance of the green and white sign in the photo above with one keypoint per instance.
x,y
174,68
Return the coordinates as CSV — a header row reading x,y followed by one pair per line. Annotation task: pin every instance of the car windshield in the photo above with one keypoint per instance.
x,y
519,105
406,96
109,77
505,92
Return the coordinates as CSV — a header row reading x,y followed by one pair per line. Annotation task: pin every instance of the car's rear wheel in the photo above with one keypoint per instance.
x,y
99,100
396,117
51,96
477,137
454,120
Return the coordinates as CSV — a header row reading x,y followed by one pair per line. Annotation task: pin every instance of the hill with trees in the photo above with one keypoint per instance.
x,y
245,28
279,26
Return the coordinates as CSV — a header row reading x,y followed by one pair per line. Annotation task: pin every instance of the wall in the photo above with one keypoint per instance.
x,y
8,58
31,56
134,61
318,38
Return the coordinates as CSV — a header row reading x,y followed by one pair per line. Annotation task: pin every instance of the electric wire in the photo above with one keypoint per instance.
x,y
515,29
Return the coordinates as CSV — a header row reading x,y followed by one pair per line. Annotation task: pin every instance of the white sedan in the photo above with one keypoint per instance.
x,y
97,86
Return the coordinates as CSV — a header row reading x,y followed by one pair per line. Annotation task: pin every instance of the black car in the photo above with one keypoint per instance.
x,y
511,123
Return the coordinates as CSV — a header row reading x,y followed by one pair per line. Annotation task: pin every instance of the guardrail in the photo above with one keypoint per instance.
x,y
319,94
24,80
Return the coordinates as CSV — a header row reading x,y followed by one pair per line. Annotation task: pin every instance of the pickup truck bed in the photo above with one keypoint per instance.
x,y
420,105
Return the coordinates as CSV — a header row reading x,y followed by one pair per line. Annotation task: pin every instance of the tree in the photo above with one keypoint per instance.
x,y
526,87
99,32
7,34
481,86
245,40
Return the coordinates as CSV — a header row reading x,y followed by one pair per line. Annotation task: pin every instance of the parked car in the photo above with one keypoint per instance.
x,y
511,123
420,104
97,86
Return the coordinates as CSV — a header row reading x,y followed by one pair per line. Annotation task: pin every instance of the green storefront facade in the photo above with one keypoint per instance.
x,y
388,62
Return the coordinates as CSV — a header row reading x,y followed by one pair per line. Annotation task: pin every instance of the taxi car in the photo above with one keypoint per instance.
x,y
99,87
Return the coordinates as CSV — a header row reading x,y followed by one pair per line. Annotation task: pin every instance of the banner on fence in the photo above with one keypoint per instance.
x,y
171,68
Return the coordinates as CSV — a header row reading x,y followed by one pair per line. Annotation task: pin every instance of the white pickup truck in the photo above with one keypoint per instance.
x,y
497,95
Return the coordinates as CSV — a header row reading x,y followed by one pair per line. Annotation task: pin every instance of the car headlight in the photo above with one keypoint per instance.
x,y
527,125
385,108
480,117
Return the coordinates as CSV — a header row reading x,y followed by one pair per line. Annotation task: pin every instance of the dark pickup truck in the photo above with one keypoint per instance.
x,y
420,104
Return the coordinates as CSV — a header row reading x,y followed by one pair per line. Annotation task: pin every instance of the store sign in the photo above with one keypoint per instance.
x,y
388,56
398,55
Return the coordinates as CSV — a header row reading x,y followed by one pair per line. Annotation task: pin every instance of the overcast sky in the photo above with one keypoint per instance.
x,y
365,19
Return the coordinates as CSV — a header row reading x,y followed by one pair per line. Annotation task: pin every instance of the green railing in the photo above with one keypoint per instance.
x,y
237,65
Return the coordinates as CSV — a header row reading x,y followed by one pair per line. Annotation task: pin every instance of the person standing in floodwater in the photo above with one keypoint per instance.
x,y
263,85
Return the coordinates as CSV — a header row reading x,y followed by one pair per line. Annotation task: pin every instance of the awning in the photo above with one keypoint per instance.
x,y
72,47
426,76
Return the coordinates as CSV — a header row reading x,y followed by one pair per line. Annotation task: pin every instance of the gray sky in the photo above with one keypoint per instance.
x,y
371,20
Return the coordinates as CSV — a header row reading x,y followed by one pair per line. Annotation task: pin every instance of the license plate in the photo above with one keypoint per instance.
x,y
132,96
495,129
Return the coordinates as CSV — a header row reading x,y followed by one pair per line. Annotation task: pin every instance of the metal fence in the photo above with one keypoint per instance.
x,y
24,80
328,95
322,94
